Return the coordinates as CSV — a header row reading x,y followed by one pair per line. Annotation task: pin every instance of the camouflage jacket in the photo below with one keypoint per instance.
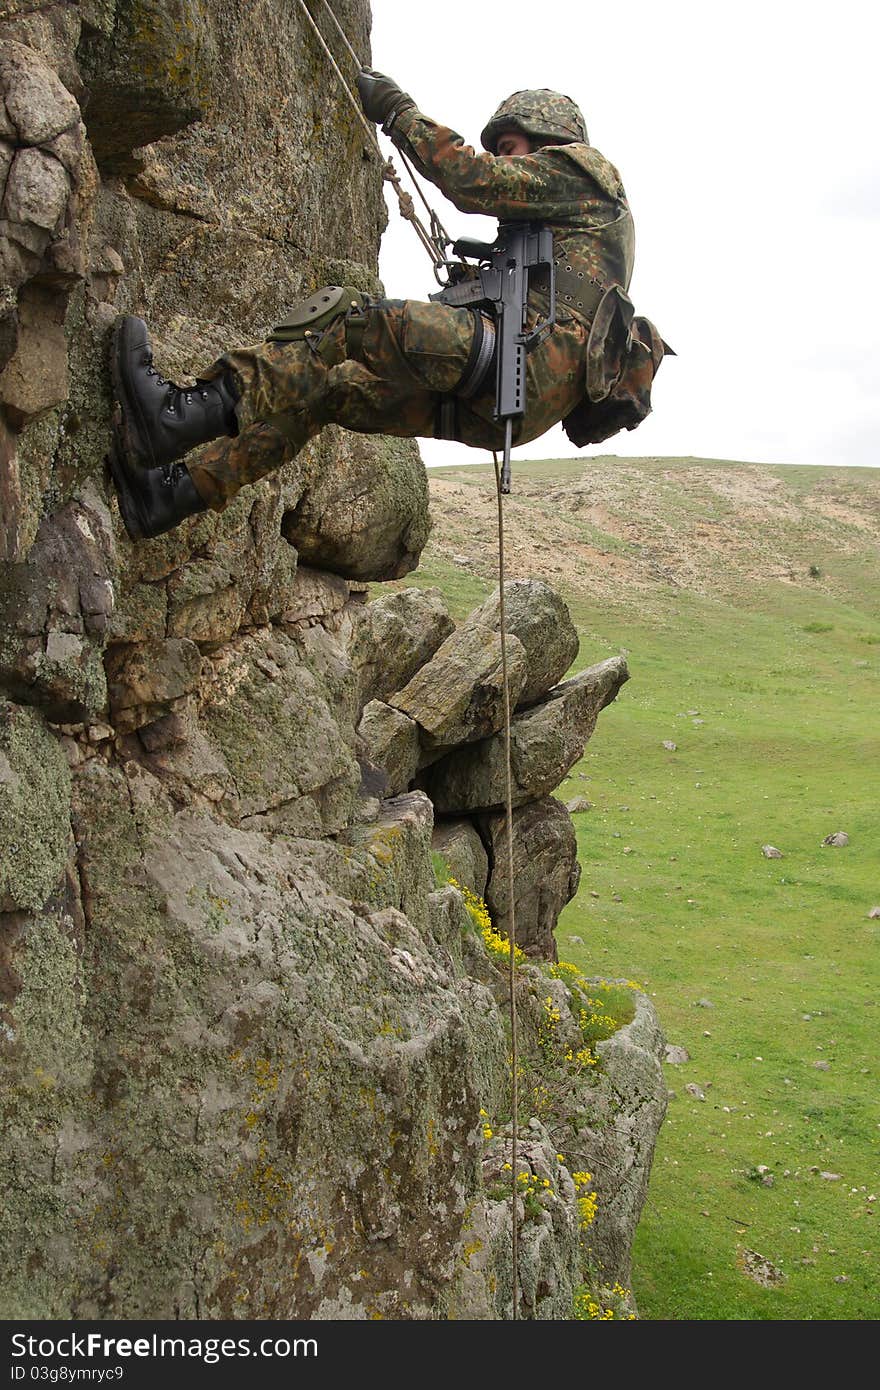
x,y
572,188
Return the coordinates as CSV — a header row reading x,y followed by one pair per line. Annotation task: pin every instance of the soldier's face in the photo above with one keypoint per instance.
x,y
513,142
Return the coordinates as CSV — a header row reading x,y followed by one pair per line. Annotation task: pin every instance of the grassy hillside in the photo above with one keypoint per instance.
x,y
747,599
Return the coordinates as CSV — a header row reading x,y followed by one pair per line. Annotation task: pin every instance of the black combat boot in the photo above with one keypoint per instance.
x,y
152,500
160,421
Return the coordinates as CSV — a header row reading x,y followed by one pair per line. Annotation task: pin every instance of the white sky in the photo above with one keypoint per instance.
x,y
747,138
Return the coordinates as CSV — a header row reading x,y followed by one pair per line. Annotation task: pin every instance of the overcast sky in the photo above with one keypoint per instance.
x,y
747,139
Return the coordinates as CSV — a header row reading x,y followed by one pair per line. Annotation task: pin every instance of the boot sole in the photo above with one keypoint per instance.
x,y
132,435
118,465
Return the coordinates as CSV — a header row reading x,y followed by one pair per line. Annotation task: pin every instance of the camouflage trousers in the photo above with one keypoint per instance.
x,y
382,371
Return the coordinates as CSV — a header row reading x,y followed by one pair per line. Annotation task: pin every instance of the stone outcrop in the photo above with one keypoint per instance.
x,y
545,741
248,1047
446,738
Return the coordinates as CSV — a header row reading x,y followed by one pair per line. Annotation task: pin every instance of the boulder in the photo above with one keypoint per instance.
x,y
458,696
35,379
38,104
546,740
55,609
539,617
364,511
546,873
459,843
392,743
147,679
316,599
395,635
37,189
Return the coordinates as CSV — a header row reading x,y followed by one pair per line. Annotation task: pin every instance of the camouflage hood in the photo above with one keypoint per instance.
x,y
540,114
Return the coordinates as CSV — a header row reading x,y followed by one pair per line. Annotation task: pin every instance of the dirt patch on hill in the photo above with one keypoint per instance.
x,y
707,527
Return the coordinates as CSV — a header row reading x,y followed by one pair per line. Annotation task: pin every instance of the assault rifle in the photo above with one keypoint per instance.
x,y
502,282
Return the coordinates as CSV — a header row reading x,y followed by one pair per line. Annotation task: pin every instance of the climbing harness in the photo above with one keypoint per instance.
x,y
483,353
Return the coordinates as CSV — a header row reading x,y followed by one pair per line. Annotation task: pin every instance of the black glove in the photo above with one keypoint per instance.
x,y
381,98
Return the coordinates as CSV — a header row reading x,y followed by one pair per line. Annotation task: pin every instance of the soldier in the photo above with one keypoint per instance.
x,y
405,367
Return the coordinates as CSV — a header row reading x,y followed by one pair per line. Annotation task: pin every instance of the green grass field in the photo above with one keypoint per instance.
x,y
761,663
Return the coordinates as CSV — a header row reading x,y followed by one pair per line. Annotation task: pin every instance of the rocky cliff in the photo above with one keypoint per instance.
x,y
254,1049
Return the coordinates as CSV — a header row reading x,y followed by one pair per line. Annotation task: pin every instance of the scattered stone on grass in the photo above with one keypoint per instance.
x,y
759,1268
669,745
771,852
696,1091
839,837
676,1055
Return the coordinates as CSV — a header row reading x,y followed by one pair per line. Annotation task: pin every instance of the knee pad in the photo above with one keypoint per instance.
x,y
311,317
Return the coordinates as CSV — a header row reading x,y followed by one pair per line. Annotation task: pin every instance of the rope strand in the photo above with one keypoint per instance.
x,y
389,173
514,1048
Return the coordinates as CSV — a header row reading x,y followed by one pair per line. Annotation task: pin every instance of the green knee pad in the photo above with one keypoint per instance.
x,y
311,316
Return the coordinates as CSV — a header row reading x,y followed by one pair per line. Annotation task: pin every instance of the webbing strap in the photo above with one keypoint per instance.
x,y
477,369
444,425
576,290
480,360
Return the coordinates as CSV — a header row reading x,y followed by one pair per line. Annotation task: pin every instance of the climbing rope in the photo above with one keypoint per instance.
x,y
434,241
508,799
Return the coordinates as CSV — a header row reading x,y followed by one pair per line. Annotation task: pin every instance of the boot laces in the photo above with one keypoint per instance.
x,y
153,371
171,474
173,391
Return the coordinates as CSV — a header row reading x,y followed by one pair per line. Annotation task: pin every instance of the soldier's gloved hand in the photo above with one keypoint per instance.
x,y
381,97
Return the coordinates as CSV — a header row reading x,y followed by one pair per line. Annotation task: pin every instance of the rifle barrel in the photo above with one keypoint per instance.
x,y
505,466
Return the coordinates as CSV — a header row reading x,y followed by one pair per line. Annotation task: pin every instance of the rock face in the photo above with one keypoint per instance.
x,y
247,1045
